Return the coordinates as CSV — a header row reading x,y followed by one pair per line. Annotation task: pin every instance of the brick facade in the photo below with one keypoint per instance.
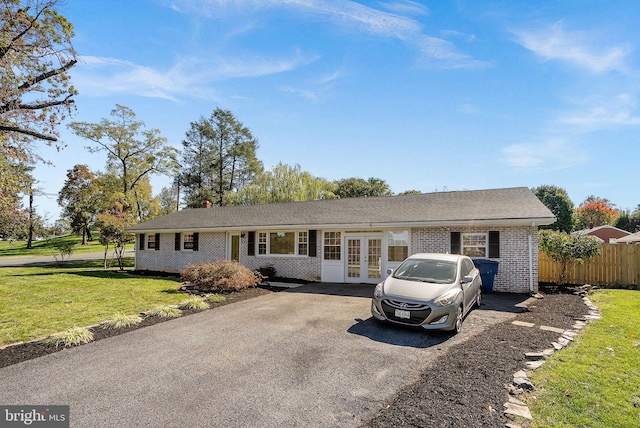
x,y
513,271
513,274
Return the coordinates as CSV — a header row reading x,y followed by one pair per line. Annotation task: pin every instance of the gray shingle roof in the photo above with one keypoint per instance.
x,y
512,206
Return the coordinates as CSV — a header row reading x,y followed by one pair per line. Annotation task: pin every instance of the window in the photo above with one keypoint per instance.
x,y
262,243
397,246
332,245
187,241
303,243
282,243
474,244
151,241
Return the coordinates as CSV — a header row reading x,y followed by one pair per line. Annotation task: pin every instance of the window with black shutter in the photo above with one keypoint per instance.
x,y
196,241
455,243
177,241
251,244
157,247
141,241
494,244
313,243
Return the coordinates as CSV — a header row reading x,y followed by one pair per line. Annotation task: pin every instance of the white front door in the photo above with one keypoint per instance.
x,y
364,259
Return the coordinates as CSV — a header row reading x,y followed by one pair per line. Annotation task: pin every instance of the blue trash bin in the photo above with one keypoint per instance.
x,y
488,270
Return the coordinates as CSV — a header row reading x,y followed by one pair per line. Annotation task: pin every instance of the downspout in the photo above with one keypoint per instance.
x,y
530,266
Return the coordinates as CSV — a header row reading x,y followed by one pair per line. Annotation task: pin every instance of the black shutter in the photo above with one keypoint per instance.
x,y
494,244
196,239
313,242
141,242
157,241
251,244
177,243
455,243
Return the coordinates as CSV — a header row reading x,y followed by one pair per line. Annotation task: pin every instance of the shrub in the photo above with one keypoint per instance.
x,y
165,312
215,298
71,337
121,321
221,275
193,302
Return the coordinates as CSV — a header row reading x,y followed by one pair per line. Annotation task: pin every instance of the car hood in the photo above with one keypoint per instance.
x,y
415,290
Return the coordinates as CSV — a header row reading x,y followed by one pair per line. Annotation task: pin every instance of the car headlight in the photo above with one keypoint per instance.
x,y
377,293
447,298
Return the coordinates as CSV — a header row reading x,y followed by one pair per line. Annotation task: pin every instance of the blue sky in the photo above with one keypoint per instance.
x,y
428,95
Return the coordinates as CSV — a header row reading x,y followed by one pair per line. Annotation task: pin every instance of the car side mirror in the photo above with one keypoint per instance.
x,y
467,279
389,271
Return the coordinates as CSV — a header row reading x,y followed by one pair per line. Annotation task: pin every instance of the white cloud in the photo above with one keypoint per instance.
x,y
468,109
189,77
435,52
619,111
576,47
551,154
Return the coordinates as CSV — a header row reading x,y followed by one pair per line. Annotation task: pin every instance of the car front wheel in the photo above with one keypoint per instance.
x,y
458,324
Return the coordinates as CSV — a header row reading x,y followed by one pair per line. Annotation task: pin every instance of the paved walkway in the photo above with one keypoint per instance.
x,y
309,356
17,261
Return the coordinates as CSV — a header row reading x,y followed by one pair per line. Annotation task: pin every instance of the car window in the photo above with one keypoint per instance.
x,y
467,267
436,271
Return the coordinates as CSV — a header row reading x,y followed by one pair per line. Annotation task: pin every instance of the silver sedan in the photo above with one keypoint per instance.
x,y
431,291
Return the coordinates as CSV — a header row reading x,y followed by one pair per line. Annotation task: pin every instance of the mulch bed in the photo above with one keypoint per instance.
x,y
466,387
27,351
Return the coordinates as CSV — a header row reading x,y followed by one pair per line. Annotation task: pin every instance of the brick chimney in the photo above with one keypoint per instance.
x,y
206,204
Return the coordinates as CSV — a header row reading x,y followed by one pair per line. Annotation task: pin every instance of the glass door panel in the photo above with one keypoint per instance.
x,y
374,255
353,257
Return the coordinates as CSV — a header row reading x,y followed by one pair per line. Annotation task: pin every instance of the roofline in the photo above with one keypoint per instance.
x,y
532,222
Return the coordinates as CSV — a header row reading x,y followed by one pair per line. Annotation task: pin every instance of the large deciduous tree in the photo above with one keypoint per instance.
x,y
559,203
133,153
359,187
283,183
35,56
218,156
595,211
80,200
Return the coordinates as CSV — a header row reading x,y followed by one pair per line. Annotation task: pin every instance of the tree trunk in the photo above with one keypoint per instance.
x,y
30,237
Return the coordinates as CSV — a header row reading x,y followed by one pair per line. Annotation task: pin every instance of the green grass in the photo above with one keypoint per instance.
x,y
43,248
596,381
38,301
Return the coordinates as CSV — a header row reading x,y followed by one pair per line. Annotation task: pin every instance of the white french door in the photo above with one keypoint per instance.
x,y
364,259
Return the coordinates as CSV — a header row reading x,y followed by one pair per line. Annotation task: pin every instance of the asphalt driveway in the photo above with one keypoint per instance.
x,y
310,356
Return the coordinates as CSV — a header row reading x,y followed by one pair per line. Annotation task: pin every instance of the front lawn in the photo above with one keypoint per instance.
x,y
38,301
45,248
596,381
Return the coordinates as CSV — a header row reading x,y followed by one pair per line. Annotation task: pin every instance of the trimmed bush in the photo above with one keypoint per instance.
x,y
121,321
219,276
71,337
193,302
215,298
267,271
165,312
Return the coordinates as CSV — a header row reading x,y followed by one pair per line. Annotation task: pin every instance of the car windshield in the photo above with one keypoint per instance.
x,y
436,271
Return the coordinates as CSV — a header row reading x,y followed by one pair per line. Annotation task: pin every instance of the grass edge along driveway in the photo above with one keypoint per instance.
x,y
596,381
38,301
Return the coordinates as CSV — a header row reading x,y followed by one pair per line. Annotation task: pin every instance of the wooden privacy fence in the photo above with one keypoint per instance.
x,y
616,264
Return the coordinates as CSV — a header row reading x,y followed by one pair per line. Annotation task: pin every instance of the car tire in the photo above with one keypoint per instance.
x,y
457,326
479,298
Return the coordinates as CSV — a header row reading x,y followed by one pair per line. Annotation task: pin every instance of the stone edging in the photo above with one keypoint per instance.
x,y
521,382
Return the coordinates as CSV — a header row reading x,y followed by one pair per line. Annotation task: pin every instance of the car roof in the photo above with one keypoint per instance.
x,y
438,256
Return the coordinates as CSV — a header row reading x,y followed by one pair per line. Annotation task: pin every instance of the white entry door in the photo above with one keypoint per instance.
x,y
364,259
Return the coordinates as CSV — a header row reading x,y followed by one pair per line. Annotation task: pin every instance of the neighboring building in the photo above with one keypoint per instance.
x,y
633,238
607,234
354,239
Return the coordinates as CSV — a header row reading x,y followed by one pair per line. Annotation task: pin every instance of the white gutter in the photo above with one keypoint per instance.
x,y
440,223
